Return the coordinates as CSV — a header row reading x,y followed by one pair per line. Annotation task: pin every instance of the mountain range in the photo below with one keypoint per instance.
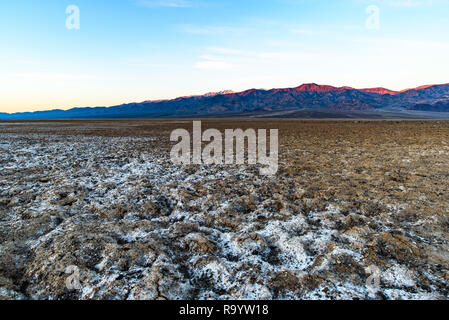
x,y
322,99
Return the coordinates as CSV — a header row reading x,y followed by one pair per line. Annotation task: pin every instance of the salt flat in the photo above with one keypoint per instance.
x,y
104,196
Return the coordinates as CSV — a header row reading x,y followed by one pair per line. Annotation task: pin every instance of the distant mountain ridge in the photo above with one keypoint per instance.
x,y
380,91
429,98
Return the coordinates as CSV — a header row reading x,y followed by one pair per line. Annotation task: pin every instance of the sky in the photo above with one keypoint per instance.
x,y
137,50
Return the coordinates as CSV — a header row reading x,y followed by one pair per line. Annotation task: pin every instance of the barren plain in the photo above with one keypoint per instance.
x,y
350,197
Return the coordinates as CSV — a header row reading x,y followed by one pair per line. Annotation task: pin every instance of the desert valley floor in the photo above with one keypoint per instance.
x,y
350,197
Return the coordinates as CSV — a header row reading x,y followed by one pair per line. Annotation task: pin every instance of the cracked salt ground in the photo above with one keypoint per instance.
x,y
138,227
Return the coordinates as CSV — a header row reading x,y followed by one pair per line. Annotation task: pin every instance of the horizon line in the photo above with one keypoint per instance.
x,y
229,92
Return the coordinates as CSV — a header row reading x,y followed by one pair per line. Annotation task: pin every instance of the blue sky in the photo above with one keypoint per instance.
x,y
136,50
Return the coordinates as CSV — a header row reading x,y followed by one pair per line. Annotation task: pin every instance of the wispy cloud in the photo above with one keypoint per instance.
x,y
214,65
401,3
388,43
57,76
230,51
147,65
210,30
211,61
166,3
236,59
303,32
